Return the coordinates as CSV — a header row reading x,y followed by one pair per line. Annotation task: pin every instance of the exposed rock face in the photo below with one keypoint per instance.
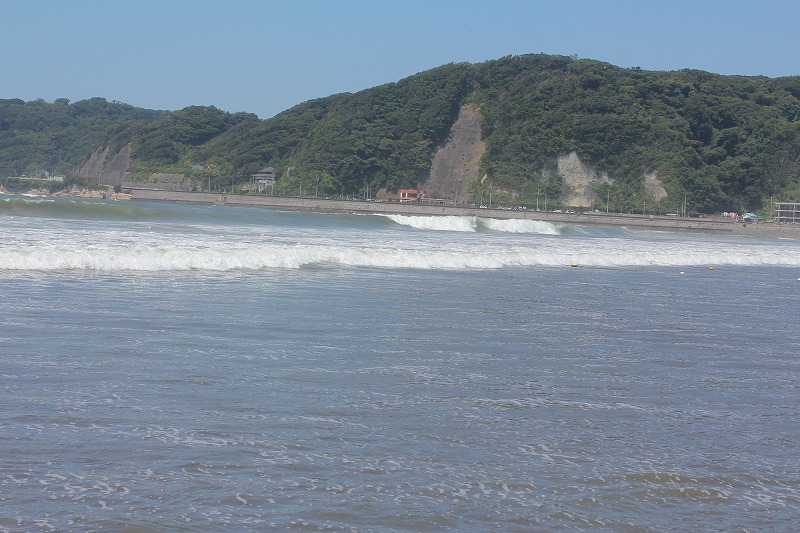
x,y
654,187
114,173
111,174
579,180
91,169
458,159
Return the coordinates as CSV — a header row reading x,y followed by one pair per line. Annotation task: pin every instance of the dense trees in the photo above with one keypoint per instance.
x,y
58,136
716,142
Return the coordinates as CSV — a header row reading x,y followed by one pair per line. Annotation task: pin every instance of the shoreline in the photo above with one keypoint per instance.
x,y
74,192
651,222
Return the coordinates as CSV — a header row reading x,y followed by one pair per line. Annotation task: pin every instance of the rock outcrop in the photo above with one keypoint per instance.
x,y
653,186
91,169
114,172
96,170
579,180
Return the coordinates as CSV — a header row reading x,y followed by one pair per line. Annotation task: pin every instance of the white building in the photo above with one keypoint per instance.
x,y
787,212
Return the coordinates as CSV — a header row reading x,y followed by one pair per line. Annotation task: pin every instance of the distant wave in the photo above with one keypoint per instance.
x,y
43,206
520,226
122,211
471,224
438,223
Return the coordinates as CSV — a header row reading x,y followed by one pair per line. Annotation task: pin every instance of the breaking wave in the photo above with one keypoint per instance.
x,y
219,256
520,226
472,224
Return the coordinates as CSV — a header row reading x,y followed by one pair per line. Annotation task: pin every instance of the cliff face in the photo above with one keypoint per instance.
x,y
653,186
95,168
91,169
579,180
114,173
458,160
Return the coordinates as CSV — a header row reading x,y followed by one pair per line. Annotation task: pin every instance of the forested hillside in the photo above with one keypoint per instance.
x,y
728,142
59,136
383,136
718,142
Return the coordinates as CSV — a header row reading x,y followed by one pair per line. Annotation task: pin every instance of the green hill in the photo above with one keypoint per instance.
x,y
572,131
59,136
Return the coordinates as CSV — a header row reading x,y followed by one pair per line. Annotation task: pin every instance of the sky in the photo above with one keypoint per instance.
x,y
266,56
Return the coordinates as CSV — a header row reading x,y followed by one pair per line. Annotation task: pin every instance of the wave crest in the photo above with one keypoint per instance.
x,y
472,224
218,256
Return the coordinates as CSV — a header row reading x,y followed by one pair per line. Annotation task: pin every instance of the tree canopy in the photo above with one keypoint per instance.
x,y
59,136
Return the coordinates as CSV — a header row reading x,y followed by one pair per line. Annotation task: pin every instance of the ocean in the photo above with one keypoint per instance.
x,y
171,367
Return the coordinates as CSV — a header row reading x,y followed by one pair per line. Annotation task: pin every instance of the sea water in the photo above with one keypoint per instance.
x,y
170,367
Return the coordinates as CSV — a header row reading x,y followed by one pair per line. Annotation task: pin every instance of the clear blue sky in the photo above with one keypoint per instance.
x,y
265,56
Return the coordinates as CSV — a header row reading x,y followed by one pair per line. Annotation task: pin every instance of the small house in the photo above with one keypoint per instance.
x,y
412,195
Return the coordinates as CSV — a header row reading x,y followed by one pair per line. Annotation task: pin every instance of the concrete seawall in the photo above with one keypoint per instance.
x,y
662,223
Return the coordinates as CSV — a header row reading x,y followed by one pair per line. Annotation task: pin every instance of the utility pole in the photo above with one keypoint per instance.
x,y
545,193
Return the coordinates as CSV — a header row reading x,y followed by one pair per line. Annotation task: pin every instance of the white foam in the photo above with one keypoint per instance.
x,y
471,224
224,256
439,223
56,245
520,226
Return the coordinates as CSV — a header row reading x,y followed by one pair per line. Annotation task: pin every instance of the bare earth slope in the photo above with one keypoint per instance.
x,y
458,159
